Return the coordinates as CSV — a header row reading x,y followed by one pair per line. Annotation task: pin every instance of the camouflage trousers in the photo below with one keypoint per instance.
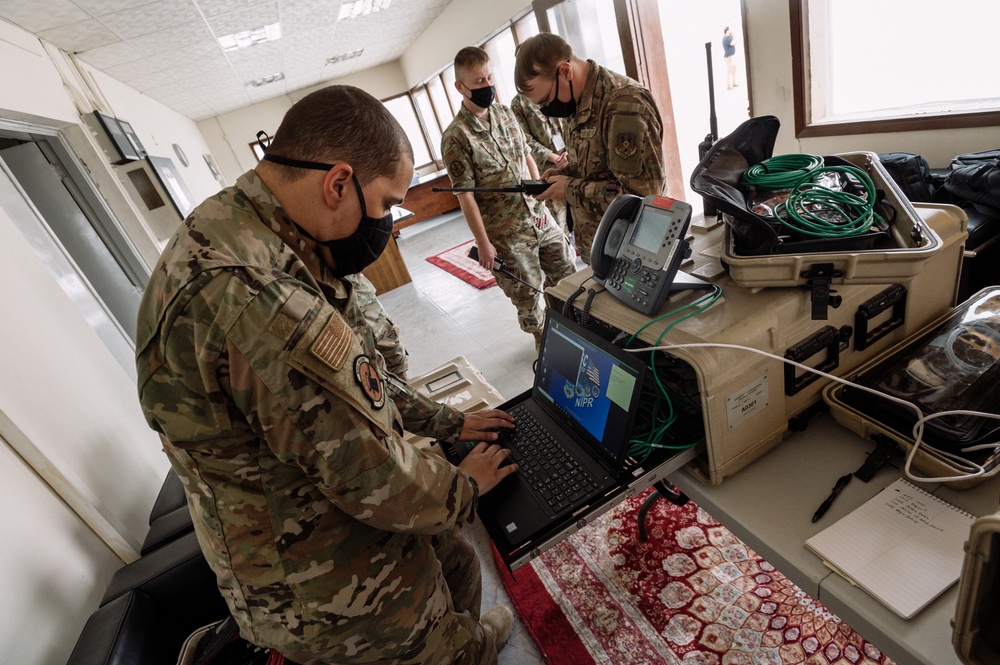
x,y
458,637
584,230
539,256
558,211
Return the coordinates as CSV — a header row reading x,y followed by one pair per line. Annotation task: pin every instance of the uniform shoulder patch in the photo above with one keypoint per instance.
x,y
333,343
625,145
368,378
456,169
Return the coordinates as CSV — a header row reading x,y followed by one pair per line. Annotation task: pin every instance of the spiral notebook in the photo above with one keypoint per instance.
x,y
904,546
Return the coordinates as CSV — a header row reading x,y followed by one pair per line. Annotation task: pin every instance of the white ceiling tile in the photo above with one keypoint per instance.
x,y
81,36
203,56
151,17
101,7
131,70
212,8
38,15
154,80
244,19
172,38
103,57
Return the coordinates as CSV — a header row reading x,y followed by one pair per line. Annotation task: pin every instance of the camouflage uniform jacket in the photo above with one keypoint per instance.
x,y
313,513
614,145
539,130
491,154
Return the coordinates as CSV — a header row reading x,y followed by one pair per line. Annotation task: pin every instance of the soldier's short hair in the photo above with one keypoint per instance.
x,y
344,123
469,58
539,56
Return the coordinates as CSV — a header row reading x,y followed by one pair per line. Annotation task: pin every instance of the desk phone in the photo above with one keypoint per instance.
x,y
639,247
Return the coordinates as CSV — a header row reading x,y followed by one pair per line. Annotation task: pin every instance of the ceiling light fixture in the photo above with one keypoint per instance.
x,y
362,8
247,38
264,80
340,57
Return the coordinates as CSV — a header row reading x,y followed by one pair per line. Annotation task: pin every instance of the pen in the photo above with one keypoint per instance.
x,y
841,484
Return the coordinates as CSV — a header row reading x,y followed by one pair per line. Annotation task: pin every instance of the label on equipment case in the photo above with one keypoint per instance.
x,y
747,401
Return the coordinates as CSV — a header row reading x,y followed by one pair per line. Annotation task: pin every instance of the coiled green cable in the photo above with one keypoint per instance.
x,y
821,212
781,171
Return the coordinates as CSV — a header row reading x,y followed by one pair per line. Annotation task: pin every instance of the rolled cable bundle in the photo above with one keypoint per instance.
x,y
815,210
769,182
781,171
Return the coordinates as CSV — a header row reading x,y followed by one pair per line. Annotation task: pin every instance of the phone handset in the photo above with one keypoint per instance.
x,y
610,232
638,249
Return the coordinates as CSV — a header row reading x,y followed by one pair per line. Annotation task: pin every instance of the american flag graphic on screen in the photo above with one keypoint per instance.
x,y
593,374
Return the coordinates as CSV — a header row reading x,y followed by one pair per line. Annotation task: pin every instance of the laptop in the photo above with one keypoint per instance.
x,y
572,431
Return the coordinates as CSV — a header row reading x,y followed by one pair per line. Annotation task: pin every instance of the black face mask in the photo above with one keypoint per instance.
x,y
557,108
360,249
481,97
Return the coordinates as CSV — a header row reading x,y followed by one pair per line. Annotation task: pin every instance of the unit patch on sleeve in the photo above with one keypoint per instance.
x,y
626,146
456,169
371,383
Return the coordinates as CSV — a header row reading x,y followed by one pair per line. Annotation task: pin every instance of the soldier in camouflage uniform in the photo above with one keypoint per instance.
x,y
548,146
333,540
615,136
386,332
484,146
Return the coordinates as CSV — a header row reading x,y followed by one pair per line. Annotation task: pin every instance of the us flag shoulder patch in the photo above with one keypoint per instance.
x,y
333,343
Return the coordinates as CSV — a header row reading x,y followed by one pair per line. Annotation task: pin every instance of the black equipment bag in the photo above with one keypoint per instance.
x,y
912,173
975,177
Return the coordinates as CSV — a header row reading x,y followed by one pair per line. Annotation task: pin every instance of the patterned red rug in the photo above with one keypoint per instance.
x,y
693,594
457,262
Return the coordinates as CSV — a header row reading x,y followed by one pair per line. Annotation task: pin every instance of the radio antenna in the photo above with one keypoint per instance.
x,y
713,134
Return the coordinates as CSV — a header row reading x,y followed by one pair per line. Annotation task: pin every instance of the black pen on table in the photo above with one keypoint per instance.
x,y
825,506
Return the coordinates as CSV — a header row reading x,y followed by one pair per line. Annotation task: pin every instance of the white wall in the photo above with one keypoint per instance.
x,y
79,468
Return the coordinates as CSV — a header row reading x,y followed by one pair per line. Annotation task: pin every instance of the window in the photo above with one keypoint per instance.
x,y
894,65
403,110
425,111
501,50
439,99
590,27
448,77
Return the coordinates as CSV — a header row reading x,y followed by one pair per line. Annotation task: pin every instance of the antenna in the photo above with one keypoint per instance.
x,y
713,135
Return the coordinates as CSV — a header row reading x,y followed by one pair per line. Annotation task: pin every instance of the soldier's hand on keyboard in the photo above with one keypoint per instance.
x,y
483,425
484,464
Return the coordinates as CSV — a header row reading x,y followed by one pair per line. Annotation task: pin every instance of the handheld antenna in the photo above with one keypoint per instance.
x,y
713,134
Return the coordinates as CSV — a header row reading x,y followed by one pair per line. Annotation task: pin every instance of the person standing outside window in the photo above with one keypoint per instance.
x,y
548,146
484,146
729,55
614,140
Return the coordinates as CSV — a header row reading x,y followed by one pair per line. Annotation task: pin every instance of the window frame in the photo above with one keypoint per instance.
x,y
798,11
420,122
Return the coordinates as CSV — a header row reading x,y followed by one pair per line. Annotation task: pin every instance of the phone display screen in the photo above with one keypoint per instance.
x,y
650,229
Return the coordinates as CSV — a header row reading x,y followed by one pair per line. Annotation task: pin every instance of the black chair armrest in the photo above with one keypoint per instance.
x,y
170,498
166,529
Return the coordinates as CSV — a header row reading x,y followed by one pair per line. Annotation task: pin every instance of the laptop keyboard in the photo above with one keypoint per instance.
x,y
546,466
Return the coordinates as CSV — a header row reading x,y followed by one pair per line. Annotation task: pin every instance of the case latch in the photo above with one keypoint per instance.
x,y
818,279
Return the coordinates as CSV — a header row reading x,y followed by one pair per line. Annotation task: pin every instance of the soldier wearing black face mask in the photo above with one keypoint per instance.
x,y
614,135
484,146
333,540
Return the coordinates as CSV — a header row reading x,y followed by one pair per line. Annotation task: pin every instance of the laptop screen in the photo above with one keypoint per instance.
x,y
590,384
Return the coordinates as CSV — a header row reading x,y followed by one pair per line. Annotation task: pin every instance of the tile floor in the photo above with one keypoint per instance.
x,y
441,317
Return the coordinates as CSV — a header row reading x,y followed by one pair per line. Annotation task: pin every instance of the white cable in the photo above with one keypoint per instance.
x,y
976,470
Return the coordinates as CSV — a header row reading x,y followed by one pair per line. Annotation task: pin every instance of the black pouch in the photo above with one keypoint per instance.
x,y
975,177
719,178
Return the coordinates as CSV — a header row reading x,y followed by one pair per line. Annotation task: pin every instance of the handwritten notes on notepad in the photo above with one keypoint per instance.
x,y
903,546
